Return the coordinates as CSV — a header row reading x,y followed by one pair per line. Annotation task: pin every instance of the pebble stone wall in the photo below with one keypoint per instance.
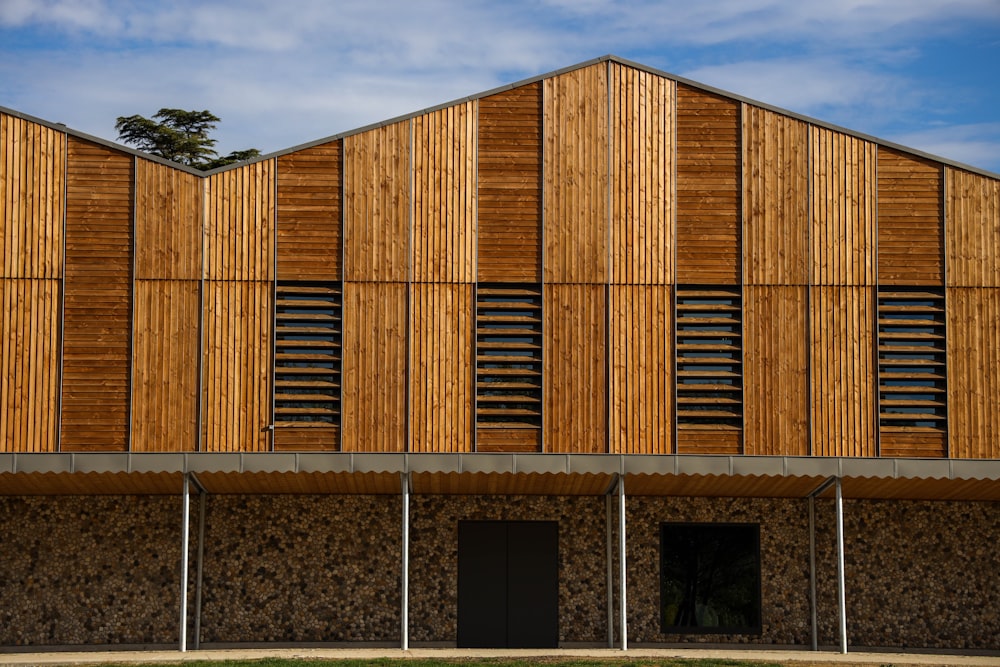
x,y
105,569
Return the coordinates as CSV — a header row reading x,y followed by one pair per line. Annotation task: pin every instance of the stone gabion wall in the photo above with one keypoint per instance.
x,y
105,569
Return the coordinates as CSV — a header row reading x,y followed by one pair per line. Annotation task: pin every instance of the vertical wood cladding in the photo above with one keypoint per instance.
x,y
574,376
165,361
642,175
973,229
32,205
910,220
843,209
168,220
576,176
444,195
375,367
98,298
236,391
641,387
441,363
239,225
510,186
842,371
377,204
29,364
310,219
32,191
776,419
708,188
776,197
973,384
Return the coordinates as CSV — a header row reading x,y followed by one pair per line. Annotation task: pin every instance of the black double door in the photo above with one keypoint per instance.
x,y
508,584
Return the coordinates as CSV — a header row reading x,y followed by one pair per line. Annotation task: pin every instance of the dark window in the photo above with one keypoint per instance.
x,y
911,359
307,354
710,578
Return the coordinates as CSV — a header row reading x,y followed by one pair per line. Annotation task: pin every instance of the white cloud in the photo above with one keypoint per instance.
x,y
975,144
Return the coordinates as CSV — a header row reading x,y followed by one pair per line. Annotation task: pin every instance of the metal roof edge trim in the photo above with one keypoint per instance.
x,y
491,463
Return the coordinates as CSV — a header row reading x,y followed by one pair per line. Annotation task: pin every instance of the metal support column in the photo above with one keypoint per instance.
x,y
185,539
610,544
622,560
841,581
812,571
404,630
199,567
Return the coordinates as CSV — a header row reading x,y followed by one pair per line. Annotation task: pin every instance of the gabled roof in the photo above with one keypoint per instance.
x,y
607,58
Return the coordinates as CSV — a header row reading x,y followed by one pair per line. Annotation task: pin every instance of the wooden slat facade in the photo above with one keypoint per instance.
x,y
98,299
441,368
973,384
972,240
641,387
843,231
775,368
165,365
574,376
642,177
709,191
239,224
375,368
910,220
32,199
168,221
236,366
377,204
842,371
444,195
575,176
776,199
309,224
510,186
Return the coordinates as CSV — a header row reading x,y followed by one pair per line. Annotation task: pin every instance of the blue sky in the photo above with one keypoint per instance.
x,y
922,73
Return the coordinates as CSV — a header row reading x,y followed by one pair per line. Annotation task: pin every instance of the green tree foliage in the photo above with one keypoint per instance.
x,y
179,136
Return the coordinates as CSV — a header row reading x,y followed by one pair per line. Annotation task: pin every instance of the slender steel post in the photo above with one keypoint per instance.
x,y
610,539
185,539
812,570
622,560
404,632
202,499
841,583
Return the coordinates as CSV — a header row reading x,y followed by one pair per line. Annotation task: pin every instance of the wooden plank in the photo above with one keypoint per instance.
x,y
910,220
775,397
239,226
776,199
98,299
843,376
168,223
510,186
377,204
973,229
375,367
708,197
642,182
32,199
574,377
236,375
165,361
907,443
709,441
973,383
310,213
842,181
641,387
441,363
444,195
575,176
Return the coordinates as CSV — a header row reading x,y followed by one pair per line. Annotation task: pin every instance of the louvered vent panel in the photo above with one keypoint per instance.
x,y
307,356
508,367
911,360
709,358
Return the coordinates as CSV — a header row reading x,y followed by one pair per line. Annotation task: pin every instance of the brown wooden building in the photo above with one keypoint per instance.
x,y
602,281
